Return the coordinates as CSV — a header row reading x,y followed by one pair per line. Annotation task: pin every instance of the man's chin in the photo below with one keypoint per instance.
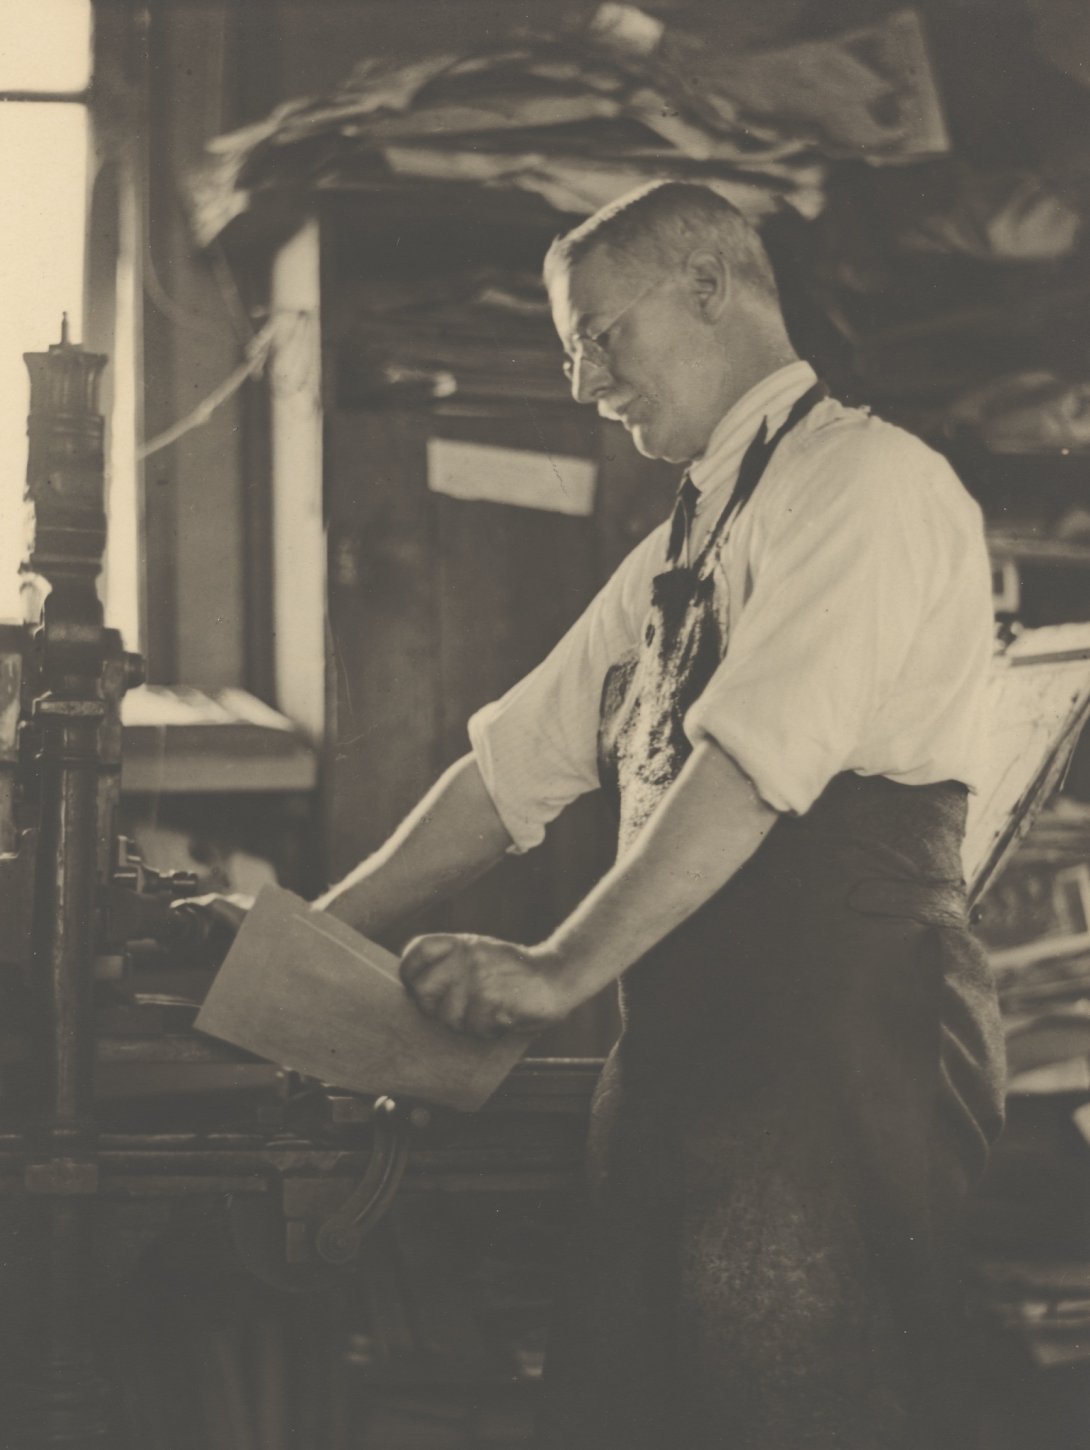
x,y
652,445
644,439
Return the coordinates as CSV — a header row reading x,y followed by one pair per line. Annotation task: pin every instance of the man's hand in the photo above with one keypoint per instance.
x,y
485,987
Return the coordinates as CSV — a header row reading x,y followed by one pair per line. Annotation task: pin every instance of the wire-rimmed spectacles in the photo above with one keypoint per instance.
x,y
593,347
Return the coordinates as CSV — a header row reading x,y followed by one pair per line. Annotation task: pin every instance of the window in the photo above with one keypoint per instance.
x,y
45,63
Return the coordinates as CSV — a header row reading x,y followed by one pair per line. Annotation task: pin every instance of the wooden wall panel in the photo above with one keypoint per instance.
x,y
437,606
512,580
385,735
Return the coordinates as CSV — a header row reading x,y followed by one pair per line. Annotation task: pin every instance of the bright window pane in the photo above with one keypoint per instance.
x,y
43,162
45,45
120,580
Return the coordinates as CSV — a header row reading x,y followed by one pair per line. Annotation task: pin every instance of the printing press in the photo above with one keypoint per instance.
x,y
116,1117
120,1127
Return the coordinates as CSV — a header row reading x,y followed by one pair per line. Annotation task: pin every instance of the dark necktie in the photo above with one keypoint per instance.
x,y
681,521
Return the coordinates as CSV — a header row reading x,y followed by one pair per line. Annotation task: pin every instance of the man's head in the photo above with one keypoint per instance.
x,y
667,307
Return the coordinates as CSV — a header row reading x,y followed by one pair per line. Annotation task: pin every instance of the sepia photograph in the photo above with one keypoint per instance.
x,y
544,673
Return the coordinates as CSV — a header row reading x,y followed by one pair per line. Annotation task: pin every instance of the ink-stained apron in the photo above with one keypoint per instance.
x,y
808,1078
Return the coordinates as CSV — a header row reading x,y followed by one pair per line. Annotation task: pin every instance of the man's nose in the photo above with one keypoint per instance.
x,y
589,380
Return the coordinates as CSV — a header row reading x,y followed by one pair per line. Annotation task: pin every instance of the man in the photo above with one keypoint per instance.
x,y
780,691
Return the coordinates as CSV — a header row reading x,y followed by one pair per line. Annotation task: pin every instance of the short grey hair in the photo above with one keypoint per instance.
x,y
663,224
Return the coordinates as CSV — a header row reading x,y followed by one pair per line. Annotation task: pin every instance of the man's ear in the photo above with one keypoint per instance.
x,y
710,283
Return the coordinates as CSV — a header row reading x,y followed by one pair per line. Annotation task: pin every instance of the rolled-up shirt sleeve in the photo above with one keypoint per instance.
x,y
536,746
841,583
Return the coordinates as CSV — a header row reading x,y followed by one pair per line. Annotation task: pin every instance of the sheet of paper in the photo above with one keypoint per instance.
x,y
1037,694
512,476
304,990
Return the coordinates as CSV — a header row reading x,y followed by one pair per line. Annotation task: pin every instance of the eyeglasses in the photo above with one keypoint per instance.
x,y
593,347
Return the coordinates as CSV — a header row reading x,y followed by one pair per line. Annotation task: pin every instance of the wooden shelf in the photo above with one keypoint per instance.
x,y
1028,549
181,741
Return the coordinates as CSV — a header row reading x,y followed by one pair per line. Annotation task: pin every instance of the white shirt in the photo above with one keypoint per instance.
x,y
855,592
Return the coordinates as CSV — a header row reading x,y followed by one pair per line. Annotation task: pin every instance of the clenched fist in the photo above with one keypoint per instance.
x,y
485,987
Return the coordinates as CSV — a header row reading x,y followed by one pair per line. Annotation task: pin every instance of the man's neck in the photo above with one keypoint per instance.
x,y
759,363
771,397
743,378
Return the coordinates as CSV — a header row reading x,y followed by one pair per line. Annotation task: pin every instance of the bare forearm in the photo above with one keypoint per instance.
x,y
708,824
705,829
453,836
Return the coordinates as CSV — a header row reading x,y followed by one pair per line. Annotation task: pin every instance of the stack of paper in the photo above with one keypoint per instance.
x,y
583,114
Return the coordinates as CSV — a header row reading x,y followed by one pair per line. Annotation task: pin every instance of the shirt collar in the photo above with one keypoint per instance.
x,y
771,398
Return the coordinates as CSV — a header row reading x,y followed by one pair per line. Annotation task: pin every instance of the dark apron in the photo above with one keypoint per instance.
x,y
807,1081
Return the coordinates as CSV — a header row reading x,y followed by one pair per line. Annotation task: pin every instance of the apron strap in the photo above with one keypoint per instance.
x,y
758,456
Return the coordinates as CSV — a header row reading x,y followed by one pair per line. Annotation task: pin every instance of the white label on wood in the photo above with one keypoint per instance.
x,y
512,476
